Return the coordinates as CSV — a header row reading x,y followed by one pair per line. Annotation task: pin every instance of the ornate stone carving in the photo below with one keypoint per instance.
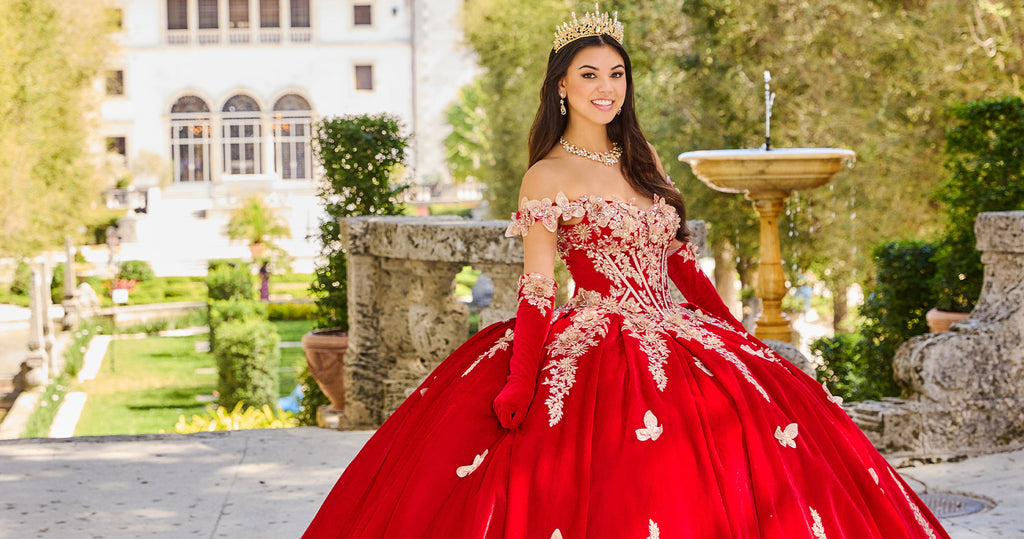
x,y
966,385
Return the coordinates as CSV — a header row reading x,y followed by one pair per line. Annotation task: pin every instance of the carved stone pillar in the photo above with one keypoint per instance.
x,y
35,368
49,338
70,303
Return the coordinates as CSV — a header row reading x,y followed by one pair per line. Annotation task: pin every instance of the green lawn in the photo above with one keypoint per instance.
x,y
145,384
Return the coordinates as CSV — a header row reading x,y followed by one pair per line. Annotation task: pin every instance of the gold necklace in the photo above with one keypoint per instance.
x,y
610,158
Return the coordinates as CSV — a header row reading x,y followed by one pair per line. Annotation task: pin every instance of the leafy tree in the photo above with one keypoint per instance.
x,y
512,40
256,223
985,159
877,76
50,51
468,147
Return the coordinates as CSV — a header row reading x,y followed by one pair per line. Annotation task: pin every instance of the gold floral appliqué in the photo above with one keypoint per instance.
x,y
538,290
652,430
463,471
818,528
787,437
564,352
918,516
501,344
652,530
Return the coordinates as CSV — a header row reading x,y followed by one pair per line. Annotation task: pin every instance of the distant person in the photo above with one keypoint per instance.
x,y
265,281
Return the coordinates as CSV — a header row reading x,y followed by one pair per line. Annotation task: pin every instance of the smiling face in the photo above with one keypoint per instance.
x,y
594,85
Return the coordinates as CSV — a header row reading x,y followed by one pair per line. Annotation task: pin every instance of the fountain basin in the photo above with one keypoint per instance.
x,y
768,177
760,171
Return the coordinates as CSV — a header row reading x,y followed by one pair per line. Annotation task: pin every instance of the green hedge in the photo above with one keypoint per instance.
x,y
859,366
231,310
247,363
291,311
138,270
227,281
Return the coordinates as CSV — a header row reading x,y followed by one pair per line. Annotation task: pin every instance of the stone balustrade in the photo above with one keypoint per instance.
x,y
967,384
404,318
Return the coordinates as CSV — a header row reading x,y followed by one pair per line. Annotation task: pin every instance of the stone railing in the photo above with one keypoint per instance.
x,y
967,384
404,318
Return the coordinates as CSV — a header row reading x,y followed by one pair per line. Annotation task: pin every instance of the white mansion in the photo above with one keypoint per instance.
x,y
211,101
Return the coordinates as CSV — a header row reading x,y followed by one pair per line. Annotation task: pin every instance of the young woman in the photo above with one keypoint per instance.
x,y
620,414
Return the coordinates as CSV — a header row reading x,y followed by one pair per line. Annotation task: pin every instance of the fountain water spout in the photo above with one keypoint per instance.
x,y
769,102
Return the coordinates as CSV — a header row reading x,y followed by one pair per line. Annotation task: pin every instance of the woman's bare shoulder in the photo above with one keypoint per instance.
x,y
545,179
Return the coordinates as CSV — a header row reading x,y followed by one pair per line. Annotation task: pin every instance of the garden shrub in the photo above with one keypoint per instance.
x,y
247,362
985,158
22,279
312,398
291,311
226,282
221,311
859,366
57,283
135,270
241,417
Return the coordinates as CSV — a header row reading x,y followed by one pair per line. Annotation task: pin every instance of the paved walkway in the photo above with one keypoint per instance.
x,y
269,483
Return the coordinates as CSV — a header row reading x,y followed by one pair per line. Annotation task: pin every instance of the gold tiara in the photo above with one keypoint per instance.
x,y
592,24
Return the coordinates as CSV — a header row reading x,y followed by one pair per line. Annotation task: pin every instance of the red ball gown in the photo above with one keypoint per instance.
x,y
650,419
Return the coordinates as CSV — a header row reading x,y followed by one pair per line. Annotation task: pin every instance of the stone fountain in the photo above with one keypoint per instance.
x,y
768,177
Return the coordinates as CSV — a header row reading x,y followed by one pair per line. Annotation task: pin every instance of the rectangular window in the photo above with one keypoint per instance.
x,y
117,145
364,77
177,14
190,147
300,13
362,15
292,141
238,13
270,13
243,142
208,14
115,82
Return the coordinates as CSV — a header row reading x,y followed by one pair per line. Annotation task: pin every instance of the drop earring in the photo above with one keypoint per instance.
x,y
618,112
561,104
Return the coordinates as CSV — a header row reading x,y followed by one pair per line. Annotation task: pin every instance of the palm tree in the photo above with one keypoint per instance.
x,y
256,223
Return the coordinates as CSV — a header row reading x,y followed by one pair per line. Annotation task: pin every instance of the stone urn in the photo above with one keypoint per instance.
x,y
325,355
940,321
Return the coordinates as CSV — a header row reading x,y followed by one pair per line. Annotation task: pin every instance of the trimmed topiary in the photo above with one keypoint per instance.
x,y
247,363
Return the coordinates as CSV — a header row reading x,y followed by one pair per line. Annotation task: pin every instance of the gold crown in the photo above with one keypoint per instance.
x,y
592,24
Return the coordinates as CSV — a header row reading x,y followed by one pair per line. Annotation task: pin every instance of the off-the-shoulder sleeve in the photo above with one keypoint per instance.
x,y
544,211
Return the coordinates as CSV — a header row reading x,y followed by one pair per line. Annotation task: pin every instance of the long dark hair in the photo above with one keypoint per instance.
x,y
638,164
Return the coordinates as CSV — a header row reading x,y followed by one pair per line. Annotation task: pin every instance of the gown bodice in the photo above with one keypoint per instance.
x,y
615,250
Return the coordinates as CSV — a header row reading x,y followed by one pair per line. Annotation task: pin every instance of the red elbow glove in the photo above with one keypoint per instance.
x,y
533,318
695,285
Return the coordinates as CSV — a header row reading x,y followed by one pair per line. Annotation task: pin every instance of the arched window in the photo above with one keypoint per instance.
x,y
242,135
190,140
292,152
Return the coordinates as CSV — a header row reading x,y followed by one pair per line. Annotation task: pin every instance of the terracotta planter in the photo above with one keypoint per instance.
x,y
325,355
258,250
940,321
